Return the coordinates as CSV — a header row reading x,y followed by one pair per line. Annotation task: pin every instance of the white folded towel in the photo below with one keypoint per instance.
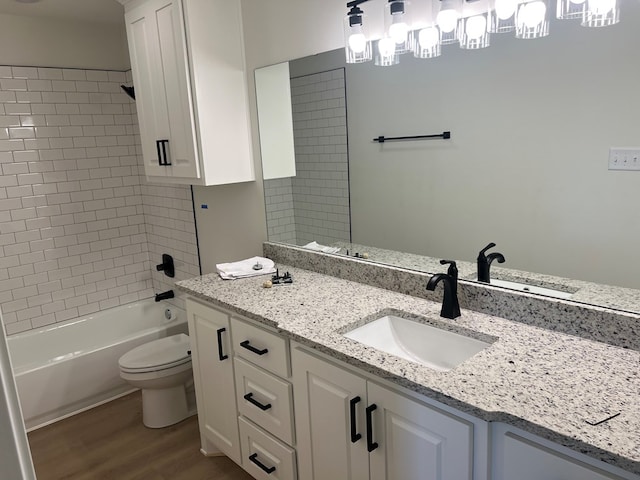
x,y
244,268
321,248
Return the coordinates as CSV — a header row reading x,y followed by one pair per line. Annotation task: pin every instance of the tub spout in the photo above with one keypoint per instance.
x,y
164,295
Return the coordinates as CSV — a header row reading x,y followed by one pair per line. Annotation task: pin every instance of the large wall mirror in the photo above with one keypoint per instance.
x,y
526,167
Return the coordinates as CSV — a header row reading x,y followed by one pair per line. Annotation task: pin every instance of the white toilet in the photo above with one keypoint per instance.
x,y
162,370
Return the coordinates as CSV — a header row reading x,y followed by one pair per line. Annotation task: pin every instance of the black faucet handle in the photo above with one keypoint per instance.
x,y
483,251
453,268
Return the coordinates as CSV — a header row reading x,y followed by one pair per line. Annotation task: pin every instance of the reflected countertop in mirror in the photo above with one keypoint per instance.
x,y
608,296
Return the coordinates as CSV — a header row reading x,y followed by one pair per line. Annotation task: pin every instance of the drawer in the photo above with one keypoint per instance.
x,y
263,456
265,349
265,399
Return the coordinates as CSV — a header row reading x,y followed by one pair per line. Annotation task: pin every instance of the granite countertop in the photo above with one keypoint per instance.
x,y
547,383
620,298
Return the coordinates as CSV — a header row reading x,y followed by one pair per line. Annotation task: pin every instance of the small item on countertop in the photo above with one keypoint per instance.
x,y
359,255
321,248
598,417
246,268
267,284
278,279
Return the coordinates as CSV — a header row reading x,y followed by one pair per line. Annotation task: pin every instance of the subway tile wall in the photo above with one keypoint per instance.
x,y
320,189
80,230
281,222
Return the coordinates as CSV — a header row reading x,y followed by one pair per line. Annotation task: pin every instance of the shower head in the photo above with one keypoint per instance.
x,y
129,91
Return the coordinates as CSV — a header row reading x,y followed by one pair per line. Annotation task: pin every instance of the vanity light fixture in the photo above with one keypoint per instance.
x,y
474,32
601,13
426,42
474,25
503,16
532,19
397,25
468,22
357,45
568,9
386,54
447,20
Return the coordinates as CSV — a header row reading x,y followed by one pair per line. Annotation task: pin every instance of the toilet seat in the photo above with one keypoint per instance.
x,y
161,354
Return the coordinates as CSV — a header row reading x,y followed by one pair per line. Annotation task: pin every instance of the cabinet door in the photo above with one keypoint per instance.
x,y
416,442
213,377
156,35
325,396
518,457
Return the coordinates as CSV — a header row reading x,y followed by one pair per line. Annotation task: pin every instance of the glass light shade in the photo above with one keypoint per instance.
x,y
447,20
474,31
357,46
397,25
601,13
426,42
503,16
568,9
386,52
532,20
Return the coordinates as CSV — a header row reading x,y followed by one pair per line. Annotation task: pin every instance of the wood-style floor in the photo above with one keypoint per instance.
x,y
110,442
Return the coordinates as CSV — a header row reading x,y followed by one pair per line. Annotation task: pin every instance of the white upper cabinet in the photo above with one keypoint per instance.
x,y
187,60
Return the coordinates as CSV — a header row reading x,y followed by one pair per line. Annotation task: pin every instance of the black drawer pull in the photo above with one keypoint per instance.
x,y
221,355
253,349
262,466
249,398
371,445
355,436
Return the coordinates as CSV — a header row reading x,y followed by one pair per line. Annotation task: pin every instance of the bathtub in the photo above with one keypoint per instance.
x,y
69,367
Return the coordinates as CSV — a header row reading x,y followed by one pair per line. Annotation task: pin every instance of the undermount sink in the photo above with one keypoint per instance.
x,y
523,287
430,346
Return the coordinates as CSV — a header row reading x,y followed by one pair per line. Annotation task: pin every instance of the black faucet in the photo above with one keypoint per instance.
x,y
484,262
164,295
450,305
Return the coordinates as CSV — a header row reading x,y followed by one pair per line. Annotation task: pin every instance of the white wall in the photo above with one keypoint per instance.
x,y
526,167
49,42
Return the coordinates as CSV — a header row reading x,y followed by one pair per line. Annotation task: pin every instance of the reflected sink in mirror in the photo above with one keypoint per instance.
x,y
427,345
523,287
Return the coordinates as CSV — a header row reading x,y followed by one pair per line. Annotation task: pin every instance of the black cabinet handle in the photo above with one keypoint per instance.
x,y
253,349
371,445
355,436
262,466
221,355
249,398
161,147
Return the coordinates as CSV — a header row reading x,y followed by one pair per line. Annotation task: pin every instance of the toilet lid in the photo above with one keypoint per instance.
x,y
159,354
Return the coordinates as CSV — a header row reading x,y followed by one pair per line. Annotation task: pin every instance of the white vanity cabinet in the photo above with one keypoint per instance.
x,y
187,60
212,359
245,402
351,428
520,455
265,402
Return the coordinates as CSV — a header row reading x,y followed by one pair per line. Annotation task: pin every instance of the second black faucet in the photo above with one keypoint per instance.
x,y
484,262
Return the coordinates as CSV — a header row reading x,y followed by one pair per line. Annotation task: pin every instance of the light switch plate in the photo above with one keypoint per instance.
x,y
624,158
